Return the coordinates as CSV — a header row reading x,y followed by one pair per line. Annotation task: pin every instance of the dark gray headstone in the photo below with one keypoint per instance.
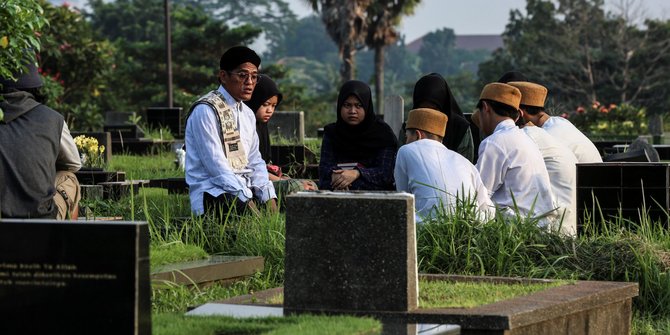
x,y
117,118
288,125
171,117
350,252
59,277
123,132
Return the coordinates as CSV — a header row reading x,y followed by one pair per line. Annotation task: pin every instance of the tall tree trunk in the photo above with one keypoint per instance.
x,y
379,78
348,62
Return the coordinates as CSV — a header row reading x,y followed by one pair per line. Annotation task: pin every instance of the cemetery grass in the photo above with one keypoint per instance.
x,y
611,249
452,294
168,324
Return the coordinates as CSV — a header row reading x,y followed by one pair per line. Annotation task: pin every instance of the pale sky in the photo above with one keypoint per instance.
x,y
471,17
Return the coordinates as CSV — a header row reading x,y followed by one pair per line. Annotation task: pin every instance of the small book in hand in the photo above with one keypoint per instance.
x,y
349,166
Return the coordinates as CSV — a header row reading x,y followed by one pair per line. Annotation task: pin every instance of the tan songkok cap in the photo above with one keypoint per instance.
x,y
502,93
531,94
427,119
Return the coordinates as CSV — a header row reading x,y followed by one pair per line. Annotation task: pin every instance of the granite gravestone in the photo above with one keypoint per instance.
x,y
350,252
612,189
60,277
288,125
170,117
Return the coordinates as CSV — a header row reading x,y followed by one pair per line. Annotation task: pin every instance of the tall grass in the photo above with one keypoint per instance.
x,y
613,250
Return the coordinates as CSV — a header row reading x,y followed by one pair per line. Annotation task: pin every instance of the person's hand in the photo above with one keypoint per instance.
x,y
342,179
309,186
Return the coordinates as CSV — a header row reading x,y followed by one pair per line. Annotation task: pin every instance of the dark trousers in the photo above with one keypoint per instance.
x,y
221,206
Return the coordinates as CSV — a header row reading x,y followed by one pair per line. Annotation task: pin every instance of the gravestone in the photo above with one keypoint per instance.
x,y
394,110
623,188
125,132
288,125
113,118
353,251
60,277
171,117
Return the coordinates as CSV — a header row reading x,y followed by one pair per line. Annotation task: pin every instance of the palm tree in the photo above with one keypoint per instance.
x,y
383,16
346,24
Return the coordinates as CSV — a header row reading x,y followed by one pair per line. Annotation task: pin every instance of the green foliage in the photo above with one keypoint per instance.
x,y
582,53
76,65
136,28
437,50
601,120
22,23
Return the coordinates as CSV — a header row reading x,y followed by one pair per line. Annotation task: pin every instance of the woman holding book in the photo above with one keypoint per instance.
x,y
358,150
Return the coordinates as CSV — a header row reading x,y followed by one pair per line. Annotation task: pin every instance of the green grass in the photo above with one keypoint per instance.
x,y
450,294
146,167
168,324
174,252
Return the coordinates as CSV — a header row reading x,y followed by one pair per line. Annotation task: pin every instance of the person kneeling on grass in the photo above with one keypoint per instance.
x,y
437,176
263,102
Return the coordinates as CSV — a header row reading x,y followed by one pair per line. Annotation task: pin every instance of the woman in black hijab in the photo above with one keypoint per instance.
x,y
432,91
263,102
358,150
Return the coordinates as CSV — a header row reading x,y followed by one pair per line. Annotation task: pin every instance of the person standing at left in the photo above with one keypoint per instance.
x,y
224,169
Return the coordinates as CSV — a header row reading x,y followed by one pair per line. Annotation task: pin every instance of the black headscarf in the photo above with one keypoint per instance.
x,y
365,139
433,89
512,76
265,89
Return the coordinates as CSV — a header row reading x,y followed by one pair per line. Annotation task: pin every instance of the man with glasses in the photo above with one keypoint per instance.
x,y
224,169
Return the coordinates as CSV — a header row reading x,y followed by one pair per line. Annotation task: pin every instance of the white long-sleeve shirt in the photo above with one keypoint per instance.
x,y
207,169
566,132
513,171
562,168
438,176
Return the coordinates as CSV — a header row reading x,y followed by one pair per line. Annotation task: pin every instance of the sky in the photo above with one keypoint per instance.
x,y
466,17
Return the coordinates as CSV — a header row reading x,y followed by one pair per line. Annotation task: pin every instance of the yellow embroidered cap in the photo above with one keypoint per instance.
x,y
427,119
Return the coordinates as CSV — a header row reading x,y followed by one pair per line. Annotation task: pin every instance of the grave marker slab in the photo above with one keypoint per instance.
x,y
171,117
332,236
289,125
629,186
60,277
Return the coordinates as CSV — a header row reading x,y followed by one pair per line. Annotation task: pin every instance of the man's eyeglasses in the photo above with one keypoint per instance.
x,y
244,75
348,105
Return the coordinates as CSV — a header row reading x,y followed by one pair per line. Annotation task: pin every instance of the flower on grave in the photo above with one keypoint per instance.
x,y
90,151
604,109
580,110
565,115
